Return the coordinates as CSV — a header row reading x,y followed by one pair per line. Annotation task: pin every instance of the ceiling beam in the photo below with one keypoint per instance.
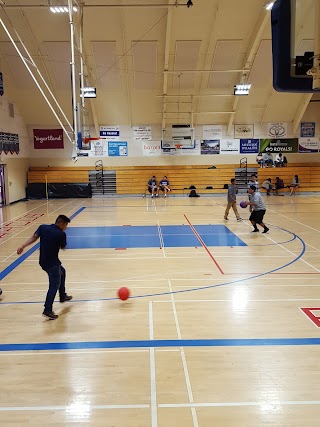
x,y
166,64
124,58
253,47
207,64
88,6
300,111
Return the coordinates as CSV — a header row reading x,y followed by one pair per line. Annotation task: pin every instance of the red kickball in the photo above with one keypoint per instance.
x,y
123,293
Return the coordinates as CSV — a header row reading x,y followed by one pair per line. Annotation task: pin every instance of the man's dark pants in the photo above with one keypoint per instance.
x,y
57,281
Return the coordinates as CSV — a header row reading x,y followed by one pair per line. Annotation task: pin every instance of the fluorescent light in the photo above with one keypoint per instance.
x,y
242,89
269,5
62,9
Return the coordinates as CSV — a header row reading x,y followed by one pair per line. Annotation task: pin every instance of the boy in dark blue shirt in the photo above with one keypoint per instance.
x,y
165,186
52,239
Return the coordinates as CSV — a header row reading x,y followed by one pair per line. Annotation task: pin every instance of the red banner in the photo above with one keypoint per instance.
x,y
48,138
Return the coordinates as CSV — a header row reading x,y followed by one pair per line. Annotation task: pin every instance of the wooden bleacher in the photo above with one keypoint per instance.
x,y
133,179
309,176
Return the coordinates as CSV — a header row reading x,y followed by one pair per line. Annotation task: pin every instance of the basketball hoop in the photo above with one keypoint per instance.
x,y
178,146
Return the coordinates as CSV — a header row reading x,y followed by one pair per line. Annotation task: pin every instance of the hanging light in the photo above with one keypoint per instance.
x,y
62,9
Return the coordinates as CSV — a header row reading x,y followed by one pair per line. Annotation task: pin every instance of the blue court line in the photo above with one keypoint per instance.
x,y
77,212
247,342
202,288
4,273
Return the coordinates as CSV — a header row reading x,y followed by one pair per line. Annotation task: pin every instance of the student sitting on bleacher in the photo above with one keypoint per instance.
x,y
267,186
294,184
165,186
278,185
152,187
279,160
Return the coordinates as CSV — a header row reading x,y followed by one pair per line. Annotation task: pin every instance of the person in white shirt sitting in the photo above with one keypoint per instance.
x,y
279,161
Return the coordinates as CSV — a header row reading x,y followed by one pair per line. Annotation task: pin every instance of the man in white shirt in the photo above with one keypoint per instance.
x,y
279,160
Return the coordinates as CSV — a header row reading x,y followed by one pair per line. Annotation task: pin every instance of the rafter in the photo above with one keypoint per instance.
x,y
249,58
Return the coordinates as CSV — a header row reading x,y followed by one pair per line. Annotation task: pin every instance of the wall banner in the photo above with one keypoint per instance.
x,y
244,131
141,133
151,149
117,149
308,145
211,132
210,146
289,145
47,138
110,133
230,146
307,129
249,146
277,130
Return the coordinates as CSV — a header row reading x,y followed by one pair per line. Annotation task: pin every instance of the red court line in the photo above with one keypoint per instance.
x,y
203,245
312,317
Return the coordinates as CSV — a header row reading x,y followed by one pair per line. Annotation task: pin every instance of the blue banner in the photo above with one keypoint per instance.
x,y
249,146
307,130
117,149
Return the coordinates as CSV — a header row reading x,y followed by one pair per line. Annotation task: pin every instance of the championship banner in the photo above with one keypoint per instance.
x,y
289,145
249,146
308,145
9,142
141,133
210,146
47,138
277,130
211,132
230,146
244,131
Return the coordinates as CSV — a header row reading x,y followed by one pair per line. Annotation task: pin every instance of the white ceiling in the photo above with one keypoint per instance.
x,y
154,65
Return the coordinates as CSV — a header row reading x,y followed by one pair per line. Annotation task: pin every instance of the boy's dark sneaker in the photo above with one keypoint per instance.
x,y
265,230
50,315
255,230
66,298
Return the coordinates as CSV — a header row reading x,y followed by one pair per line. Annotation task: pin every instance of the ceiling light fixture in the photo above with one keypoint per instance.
x,y
62,9
242,89
269,5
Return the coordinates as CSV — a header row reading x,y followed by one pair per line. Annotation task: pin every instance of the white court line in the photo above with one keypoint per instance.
x,y
267,404
121,258
153,384
290,252
298,222
25,213
76,352
231,300
161,240
71,409
316,249
183,357
26,228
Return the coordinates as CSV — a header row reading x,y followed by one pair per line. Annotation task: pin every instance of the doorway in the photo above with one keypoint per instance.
x,y
2,186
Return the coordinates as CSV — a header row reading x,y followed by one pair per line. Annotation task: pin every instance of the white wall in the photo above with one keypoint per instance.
x,y
135,156
17,165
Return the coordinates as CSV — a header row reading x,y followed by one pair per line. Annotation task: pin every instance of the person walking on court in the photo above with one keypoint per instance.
x,y
232,200
52,239
257,209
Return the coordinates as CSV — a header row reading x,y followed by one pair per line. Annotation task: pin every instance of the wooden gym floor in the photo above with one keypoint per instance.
x,y
218,332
